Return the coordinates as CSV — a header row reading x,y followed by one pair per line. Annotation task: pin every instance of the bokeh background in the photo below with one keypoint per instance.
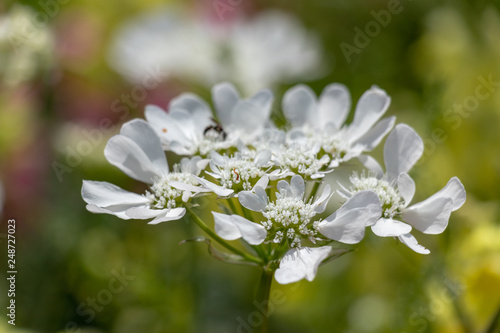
x,y
66,69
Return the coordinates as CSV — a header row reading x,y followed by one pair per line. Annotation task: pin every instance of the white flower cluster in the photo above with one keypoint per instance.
x,y
289,219
275,174
163,195
259,51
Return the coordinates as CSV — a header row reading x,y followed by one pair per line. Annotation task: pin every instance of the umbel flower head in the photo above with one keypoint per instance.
x,y
322,121
138,153
266,179
190,128
289,220
395,189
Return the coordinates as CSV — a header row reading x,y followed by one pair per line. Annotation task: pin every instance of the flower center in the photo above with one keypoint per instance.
x,y
207,144
162,195
390,199
239,173
334,146
302,160
289,219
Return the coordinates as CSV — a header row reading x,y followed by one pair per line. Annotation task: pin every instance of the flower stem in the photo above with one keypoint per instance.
x,y
262,299
313,191
232,206
221,241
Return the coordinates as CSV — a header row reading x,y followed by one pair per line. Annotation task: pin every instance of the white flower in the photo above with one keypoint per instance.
x,y
189,127
290,220
262,51
346,225
395,190
243,120
301,263
322,120
291,155
137,152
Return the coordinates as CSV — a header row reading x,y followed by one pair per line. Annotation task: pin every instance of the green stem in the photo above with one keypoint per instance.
x,y
262,299
313,191
221,241
232,206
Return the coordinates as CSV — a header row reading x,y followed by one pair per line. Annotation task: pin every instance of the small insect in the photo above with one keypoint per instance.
x,y
216,127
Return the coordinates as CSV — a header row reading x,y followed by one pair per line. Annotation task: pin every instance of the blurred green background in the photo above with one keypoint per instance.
x,y
431,58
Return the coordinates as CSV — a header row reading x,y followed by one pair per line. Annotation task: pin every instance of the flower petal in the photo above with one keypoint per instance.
x,y
348,223
453,190
429,216
248,118
362,199
348,228
171,215
412,243
117,210
279,174
373,137
261,193
231,227
263,101
193,165
146,138
284,188
217,158
193,104
125,154
298,186
251,201
390,228
188,187
262,158
371,164
104,194
163,124
333,105
402,150
303,263
185,122
370,108
225,98
143,213
406,187
262,182
219,190
322,201
299,102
